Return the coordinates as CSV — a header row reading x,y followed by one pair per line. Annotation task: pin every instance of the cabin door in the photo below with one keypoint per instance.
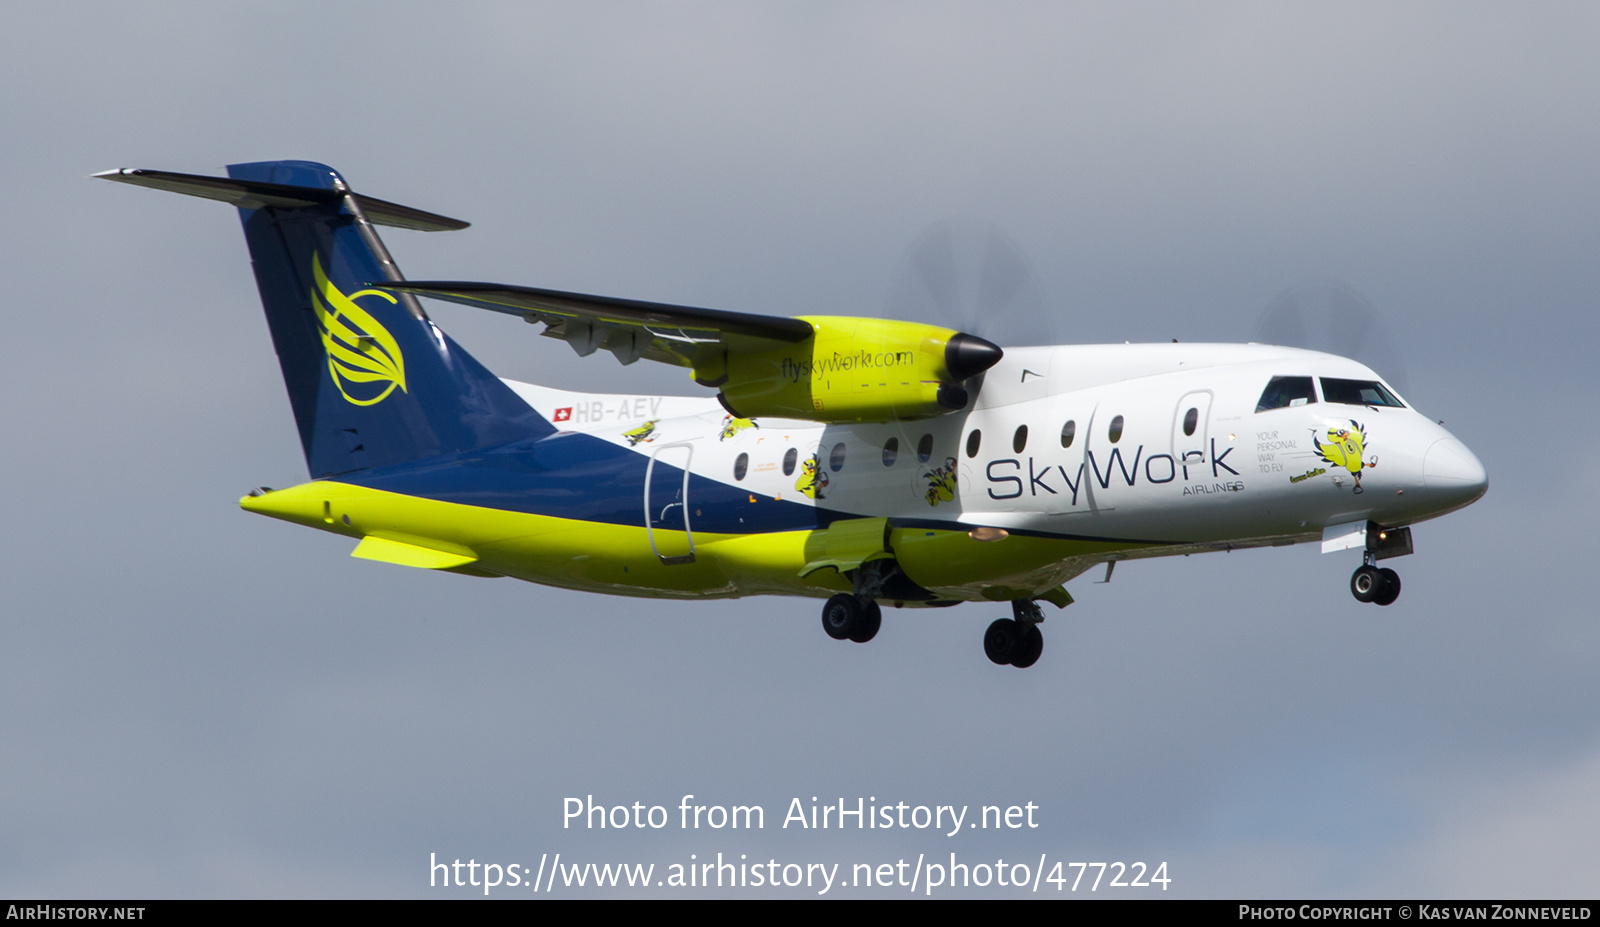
x,y
1191,429
666,503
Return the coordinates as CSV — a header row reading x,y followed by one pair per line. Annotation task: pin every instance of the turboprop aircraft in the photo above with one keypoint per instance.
x,y
864,461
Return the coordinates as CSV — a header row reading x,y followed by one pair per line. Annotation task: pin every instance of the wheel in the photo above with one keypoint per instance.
x,y
1029,647
868,623
1391,587
1365,583
1000,641
841,616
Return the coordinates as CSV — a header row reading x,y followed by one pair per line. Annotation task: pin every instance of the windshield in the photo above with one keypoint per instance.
x,y
1283,392
1358,393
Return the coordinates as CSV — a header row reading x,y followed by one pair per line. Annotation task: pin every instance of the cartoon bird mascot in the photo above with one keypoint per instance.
x,y
732,425
941,482
1344,448
645,433
813,479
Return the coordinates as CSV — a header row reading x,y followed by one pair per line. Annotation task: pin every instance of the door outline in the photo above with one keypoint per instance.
x,y
682,503
1184,452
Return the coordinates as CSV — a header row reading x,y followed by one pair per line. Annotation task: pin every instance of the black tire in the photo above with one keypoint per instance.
x,y
1029,648
1366,583
1000,641
841,616
868,624
1391,587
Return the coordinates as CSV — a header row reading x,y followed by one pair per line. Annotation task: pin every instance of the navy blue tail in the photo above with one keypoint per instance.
x,y
372,381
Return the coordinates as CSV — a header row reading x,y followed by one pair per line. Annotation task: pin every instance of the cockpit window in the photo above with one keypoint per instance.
x,y
1358,393
1283,392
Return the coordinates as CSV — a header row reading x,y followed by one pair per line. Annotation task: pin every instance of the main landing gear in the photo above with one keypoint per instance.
x,y
1016,641
850,617
855,615
1372,584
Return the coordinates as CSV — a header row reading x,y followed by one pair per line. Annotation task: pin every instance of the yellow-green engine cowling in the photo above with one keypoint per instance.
x,y
852,370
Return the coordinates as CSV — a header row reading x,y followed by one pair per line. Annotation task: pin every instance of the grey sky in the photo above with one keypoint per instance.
x,y
198,702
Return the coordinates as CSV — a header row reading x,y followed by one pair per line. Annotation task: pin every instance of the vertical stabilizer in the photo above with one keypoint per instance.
x,y
373,382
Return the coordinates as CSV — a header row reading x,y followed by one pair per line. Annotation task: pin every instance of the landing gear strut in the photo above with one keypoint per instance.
x,y
1371,584
1016,641
849,617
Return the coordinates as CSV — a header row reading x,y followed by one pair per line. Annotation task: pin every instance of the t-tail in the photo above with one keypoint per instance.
x,y
372,380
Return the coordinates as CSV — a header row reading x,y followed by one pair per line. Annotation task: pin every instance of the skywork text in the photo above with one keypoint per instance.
x,y
819,367
1007,473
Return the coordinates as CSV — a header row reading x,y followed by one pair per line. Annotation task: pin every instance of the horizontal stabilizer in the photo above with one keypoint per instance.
x,y
255,194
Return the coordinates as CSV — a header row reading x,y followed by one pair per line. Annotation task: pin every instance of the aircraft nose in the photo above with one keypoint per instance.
x,y
1452,474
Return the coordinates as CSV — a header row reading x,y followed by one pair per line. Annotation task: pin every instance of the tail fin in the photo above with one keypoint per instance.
x,y
372,380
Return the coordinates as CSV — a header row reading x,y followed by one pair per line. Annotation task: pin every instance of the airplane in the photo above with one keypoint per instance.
x,y
868,462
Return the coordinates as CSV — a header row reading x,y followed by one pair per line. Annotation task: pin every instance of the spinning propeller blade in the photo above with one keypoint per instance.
x,y
968,275
1325,315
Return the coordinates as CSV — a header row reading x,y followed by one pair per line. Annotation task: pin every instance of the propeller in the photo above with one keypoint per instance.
x,y
1329,316
967,274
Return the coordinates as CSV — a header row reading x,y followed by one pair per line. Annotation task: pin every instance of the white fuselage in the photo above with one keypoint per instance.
x,y
1111,449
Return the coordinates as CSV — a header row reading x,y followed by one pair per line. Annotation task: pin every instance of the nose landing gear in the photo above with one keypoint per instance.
x,y
1378,586
1371,583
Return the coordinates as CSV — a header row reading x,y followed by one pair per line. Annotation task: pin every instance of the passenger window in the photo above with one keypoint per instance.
x,y
741,466
1068,432
891,450
1358,393
1115,433
1283,392
789,458
836,459
1020,439
972,442
1191,419
924,448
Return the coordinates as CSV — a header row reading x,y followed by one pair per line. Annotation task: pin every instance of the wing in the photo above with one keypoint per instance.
x,y
629,328
818,368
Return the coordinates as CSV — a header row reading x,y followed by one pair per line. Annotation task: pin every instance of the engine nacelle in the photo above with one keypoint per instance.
x,y
852,370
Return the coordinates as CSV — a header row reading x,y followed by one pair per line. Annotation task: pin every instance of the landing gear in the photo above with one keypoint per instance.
x,y
1029,648
848,617
1365,583
840,615
868,624
1371,584
1000,641
1016,641
1391,587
